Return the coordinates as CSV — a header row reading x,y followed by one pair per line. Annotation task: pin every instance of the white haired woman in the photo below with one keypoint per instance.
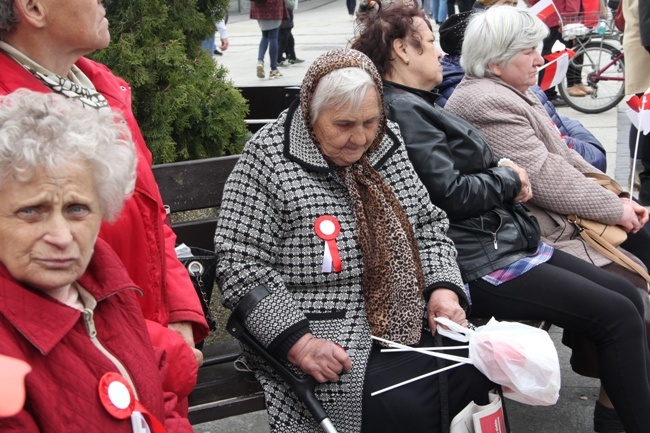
x,y
331,171
67,305
500,59
42,45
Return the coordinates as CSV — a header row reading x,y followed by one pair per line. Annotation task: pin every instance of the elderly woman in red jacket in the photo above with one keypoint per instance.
x,y
41,48
67,304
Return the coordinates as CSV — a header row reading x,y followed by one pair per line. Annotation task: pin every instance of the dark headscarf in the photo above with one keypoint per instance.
x,y
392,279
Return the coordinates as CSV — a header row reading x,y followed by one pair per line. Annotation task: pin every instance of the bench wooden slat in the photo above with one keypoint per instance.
x,y
191,185
222,391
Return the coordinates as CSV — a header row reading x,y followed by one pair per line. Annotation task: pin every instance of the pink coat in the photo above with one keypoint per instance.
x,y
62,389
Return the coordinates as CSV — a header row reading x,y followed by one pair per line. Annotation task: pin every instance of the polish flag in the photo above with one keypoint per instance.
x,y
639,111
543,9
639,114
554,71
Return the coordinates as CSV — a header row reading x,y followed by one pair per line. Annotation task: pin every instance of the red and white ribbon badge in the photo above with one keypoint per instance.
x,y
328,228
118,399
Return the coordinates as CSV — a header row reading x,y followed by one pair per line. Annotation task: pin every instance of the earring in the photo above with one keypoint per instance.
x,y
407,61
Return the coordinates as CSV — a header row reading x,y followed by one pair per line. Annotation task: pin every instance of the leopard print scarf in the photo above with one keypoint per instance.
x,y
392,280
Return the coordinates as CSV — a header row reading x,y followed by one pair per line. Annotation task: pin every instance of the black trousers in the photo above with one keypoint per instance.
x,y
598,305
425,406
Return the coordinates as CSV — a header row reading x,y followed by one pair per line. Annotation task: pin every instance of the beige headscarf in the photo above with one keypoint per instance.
x,y
393,280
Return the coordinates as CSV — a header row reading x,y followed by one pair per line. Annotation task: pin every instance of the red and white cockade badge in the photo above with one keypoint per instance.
x,y
328,228
118,399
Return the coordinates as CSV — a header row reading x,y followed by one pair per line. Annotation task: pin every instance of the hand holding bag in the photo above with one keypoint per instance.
x,y
605,238
520,358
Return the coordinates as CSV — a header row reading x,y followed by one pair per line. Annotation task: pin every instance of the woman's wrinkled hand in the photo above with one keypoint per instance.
x,y
526,191
324,360
634,216
444,303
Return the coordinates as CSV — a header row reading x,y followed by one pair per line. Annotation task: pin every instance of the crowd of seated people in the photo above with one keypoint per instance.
x,y
400,187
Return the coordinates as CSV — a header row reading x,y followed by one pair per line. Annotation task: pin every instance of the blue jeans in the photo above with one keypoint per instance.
x,y
209,45
439,10
270,41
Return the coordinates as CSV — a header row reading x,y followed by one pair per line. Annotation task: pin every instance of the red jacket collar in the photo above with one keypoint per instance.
x,y
43,320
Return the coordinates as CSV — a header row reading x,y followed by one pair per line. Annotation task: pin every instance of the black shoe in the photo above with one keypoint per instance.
x,y
558,102
606,420
217,52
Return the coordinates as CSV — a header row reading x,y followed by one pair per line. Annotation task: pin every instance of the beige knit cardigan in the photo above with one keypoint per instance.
x,y
517,127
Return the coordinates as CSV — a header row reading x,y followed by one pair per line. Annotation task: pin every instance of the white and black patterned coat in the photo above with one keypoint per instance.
x,y
265,235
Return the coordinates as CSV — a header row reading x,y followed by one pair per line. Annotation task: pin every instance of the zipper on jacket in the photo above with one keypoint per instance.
x,y
92,332
494,233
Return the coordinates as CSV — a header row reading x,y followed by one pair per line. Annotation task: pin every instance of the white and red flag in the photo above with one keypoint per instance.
x,y
543,9
639,112
554,71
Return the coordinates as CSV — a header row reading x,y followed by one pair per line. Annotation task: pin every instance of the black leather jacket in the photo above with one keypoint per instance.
x,y
456,165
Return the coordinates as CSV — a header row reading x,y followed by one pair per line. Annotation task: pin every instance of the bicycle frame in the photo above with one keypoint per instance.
x,y
597,76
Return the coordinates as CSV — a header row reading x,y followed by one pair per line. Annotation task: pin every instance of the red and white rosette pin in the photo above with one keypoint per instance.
x,y
118,399
328,228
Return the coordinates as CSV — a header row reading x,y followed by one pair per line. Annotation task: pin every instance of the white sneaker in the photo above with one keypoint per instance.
x,y
274,74
260,69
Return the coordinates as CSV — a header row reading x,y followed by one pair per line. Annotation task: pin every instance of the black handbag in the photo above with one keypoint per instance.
x,y
202,269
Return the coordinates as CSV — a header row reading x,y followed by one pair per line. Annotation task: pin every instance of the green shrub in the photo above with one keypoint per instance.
x,y
185,104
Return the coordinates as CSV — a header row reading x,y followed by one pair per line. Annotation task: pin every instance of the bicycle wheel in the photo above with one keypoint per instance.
x,y
602,71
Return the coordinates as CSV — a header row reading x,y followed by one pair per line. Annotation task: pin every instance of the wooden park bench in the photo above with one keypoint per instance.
x,y
221,391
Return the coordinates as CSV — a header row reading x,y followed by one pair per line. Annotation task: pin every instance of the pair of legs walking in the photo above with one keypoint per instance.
x,y
268,42
598,305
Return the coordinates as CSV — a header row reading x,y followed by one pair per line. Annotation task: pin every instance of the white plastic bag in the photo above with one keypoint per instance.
x,y
520,358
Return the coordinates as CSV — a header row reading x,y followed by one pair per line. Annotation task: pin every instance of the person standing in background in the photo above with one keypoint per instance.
x,y
269,15
636,45
286,43
210,45
553,23
351,5
438,10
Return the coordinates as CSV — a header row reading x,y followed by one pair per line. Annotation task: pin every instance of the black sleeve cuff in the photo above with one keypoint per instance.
x,y
462,297
280,347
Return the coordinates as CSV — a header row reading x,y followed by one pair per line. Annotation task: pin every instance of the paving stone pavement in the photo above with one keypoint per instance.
x,y
323,24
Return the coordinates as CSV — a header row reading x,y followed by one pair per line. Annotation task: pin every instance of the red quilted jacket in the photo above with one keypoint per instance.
x,y
139,234
62,389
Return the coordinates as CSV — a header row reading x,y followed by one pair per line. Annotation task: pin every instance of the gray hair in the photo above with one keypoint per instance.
x,y
8,18
52,132
496,36
344,87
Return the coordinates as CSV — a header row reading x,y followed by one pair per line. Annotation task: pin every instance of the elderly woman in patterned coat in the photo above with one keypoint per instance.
x,y
326,237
